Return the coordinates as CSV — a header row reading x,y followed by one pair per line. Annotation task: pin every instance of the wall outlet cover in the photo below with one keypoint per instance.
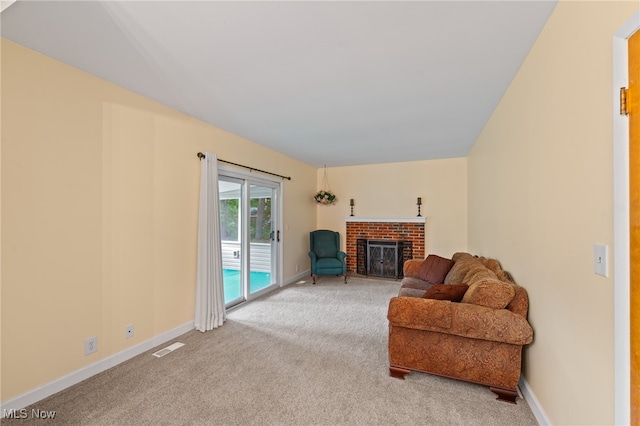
x,y
90,345
600,259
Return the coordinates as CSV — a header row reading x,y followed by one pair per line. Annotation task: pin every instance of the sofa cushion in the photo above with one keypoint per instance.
x,y
452,292
411,282
520,303
478,272
461,255
496,268
434,269
459,269
490,293
411,267
410,292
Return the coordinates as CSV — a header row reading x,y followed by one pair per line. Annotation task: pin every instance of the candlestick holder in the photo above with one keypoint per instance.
x,y
419,203
351,203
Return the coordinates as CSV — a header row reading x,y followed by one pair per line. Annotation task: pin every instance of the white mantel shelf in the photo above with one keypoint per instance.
x,y
413,219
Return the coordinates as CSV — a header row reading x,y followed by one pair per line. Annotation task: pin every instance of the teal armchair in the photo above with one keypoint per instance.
x,y
325,254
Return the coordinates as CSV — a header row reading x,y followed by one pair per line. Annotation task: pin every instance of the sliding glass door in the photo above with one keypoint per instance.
x,y
248,224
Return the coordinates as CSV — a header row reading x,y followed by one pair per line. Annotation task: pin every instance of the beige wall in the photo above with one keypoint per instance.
x,y
391,189
540,197
100,193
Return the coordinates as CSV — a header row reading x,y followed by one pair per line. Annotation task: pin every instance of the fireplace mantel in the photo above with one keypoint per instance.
x,y
412,219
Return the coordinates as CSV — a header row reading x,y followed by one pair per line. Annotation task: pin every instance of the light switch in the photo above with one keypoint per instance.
x,y
600,259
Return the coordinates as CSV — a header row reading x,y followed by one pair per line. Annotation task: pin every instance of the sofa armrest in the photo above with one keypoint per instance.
x,y
411,267
461,319
421,314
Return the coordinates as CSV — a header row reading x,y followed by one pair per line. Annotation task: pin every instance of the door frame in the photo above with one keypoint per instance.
x,y
621,229
279,247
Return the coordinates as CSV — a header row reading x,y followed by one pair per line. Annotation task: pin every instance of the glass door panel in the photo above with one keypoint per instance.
x,y
231,208
262,237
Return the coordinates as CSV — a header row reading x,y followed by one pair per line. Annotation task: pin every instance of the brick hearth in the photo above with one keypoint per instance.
x,y
410,229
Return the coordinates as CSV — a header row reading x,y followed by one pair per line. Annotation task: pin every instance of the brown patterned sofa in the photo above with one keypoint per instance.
x,y
470,326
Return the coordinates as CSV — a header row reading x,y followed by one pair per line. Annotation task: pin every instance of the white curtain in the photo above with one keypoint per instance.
x,y
210,312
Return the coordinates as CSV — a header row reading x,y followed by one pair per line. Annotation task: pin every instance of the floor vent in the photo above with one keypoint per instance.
x,y
168,349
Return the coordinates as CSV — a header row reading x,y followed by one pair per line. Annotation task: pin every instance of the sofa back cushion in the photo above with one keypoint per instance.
x,y
480,273
469,269
491,293
434,269
462,262
496,268
520,303
477,272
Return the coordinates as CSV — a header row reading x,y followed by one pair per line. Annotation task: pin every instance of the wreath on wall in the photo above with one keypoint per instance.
x,y
325,196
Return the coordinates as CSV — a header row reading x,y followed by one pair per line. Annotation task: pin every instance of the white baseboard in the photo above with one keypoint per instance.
x,y
84,373
302,276
534,404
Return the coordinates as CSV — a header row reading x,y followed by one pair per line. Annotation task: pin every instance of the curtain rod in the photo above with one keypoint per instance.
x,y
201,156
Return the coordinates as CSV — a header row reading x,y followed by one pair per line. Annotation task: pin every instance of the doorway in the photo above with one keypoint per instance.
x,y
626,289
249,217
634,221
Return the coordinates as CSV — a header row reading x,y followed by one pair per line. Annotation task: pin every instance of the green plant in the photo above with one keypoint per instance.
x,y
325,197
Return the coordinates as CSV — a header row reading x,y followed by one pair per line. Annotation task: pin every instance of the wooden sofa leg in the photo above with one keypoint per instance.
x,y
398,372
345,278
314,278
506,395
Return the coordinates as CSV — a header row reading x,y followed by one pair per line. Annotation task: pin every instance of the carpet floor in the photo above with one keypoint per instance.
x,y
302,355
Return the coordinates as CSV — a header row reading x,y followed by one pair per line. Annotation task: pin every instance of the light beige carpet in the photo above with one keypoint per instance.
x,y
303,355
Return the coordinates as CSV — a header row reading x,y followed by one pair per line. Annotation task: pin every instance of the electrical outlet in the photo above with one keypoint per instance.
x,y
90,345
128,331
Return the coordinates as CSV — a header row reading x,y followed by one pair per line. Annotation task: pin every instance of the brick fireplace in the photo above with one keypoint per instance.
x,y
376,228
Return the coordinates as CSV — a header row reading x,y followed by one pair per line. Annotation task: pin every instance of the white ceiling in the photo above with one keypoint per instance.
x,y
328,83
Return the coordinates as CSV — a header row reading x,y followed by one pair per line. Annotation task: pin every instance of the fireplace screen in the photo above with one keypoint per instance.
x,y
382,258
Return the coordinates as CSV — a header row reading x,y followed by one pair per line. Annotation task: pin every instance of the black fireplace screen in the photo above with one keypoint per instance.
x,y
382,258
